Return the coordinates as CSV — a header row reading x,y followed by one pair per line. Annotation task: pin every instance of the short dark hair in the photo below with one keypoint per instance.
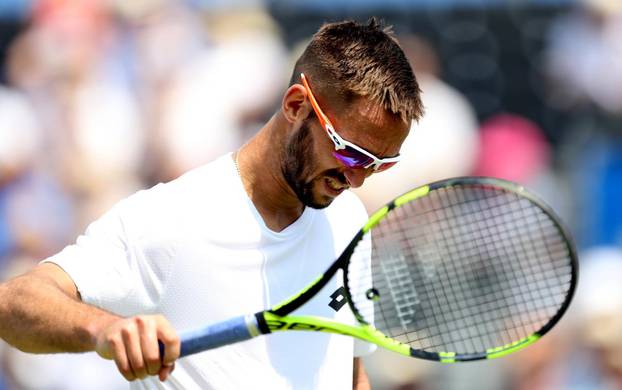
x,y
349,59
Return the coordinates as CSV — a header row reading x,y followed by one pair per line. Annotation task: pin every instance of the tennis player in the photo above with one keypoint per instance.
x,y
235,236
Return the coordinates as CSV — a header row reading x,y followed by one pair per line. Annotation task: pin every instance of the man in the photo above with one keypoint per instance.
x,y
235,236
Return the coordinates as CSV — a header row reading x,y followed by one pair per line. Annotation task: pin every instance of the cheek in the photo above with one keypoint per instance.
x,y
319,156
324,165
322,159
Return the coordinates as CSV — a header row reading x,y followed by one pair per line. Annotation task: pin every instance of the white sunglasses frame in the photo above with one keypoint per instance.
x,y
339,142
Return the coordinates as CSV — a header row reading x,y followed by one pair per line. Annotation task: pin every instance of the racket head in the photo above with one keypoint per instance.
x,y
462,269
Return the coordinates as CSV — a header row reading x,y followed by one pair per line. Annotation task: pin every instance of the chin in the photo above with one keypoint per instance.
x,y
318,202
315,199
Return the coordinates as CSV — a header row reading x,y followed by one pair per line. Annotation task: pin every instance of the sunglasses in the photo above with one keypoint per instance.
x,y
349,154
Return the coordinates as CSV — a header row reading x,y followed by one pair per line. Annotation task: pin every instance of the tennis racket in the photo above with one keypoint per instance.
x,y
461,269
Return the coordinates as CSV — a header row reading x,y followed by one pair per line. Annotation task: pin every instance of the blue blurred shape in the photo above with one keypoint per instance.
x,y
14,9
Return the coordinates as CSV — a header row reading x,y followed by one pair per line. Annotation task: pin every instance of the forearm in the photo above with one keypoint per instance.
x,y
41,312
38,316
360,378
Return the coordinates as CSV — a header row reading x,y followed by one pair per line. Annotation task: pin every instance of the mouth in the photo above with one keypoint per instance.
x,y
334,186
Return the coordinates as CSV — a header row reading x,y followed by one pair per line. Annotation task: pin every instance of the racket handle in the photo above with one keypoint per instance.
x,y
216,335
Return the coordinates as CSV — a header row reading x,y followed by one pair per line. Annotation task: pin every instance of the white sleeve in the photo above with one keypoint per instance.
x,y
107,269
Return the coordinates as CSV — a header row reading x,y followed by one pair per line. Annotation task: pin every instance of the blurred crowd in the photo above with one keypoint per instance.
x,y
100,98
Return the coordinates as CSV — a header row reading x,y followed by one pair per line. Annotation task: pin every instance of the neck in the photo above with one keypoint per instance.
x,y
259,165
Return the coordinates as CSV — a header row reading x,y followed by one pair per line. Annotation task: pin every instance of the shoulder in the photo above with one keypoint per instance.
x,y
199,184
194,193
209,179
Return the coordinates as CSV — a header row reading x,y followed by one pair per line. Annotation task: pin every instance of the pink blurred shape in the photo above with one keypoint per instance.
x,y
512,148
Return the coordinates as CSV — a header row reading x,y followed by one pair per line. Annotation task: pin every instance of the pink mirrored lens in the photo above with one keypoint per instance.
x,y
352,158
352,153
385,166
360,161
349,161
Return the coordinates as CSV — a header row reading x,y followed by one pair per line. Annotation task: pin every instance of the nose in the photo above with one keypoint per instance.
x,y
356,177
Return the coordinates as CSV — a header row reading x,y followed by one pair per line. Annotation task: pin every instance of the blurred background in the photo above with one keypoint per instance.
x,y
100,98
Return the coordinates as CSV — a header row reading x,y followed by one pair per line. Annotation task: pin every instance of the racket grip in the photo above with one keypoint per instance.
x,y
216,335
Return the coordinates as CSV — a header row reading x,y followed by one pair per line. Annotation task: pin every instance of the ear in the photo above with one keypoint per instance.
x,y
293,105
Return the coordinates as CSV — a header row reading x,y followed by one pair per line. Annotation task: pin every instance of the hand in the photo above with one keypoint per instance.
x,y
133,345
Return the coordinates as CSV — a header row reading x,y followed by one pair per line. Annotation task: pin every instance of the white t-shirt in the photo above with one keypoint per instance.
x,y
197,251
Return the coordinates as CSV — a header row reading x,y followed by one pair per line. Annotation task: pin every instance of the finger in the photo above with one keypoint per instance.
x,y
170,340
165,371
149,344
134,350
119,355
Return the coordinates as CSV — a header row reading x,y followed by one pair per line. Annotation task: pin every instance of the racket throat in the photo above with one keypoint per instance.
x,y
262,325
269,322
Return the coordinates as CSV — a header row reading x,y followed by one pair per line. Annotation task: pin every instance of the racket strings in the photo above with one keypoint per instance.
x,y
464,269
477,278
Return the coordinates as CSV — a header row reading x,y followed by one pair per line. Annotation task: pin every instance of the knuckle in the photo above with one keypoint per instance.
x,y
128,329
172,339
125,332
141,322
161,321
113,341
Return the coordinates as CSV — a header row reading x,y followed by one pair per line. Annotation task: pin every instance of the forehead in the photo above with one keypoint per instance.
x,y
369,125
